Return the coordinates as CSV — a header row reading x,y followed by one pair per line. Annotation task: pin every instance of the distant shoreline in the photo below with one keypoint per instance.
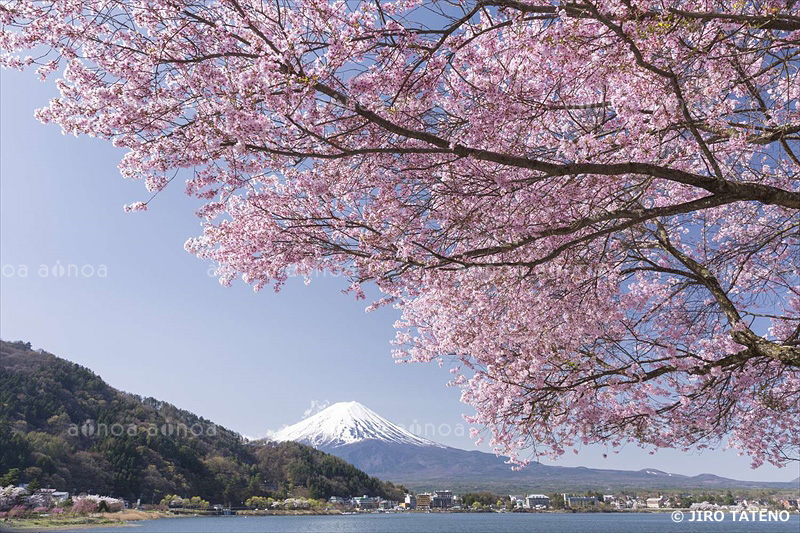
x,y
48,523
127,518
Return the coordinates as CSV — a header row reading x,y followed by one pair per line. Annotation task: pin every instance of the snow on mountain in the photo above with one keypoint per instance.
x,y
347,423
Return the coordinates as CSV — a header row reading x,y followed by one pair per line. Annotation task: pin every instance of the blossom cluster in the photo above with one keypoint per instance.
x,y
590,207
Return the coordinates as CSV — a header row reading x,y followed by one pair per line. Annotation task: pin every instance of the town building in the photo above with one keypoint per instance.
x,y
537,501
442,499
387,505
657,502
365,502
424,501
789,504
60,496
704,506
410,502
517,500
579,501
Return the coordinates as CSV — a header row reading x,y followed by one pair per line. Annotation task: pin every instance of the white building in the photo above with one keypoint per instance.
x,y
517,500
411,501
656,503
365,502
537,501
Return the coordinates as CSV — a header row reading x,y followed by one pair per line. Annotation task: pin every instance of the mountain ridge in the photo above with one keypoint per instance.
x,y
62,426
426,465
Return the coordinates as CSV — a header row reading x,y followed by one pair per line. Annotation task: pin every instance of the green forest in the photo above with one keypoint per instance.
x,y
62,426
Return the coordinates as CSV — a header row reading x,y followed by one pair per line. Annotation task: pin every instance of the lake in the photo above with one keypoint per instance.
x,y
455,523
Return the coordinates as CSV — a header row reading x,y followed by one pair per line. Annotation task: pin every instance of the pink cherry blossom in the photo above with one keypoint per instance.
x,y
590,208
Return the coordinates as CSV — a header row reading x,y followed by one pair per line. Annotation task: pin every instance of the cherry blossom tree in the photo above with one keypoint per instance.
x,y
590,208
11,495
85,506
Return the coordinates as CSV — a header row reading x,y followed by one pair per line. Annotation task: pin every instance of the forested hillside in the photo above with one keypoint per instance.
x,y
62,426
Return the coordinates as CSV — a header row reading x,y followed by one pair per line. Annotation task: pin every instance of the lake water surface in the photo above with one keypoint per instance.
x,y
451,523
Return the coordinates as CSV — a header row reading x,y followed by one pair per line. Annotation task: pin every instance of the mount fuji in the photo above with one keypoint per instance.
x,y
347,423
357,434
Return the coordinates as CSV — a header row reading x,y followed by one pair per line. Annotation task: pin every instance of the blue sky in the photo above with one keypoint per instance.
x,y
150,319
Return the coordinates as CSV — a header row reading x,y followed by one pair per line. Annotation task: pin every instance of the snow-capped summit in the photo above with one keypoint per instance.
x,y
347,423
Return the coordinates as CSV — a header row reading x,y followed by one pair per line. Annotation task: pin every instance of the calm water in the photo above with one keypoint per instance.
x,y
441,523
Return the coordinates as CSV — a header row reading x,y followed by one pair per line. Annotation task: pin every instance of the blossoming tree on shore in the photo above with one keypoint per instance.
x,y
591,206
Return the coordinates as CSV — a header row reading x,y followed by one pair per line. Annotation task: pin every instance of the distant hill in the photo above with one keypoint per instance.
x,y
62,426
381,448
